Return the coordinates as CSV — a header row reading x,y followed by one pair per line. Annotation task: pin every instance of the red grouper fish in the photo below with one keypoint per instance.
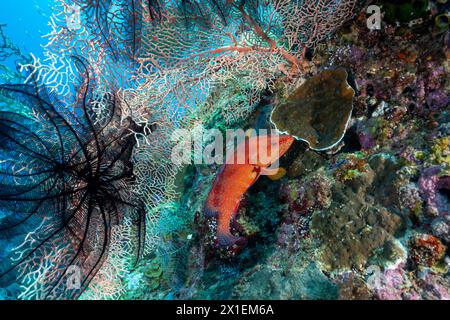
x,y
235,177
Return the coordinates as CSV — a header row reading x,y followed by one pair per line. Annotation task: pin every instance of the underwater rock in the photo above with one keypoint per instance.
x,y
410,199
390,255
365,138
437,99
306,162
195,269
398,283
300,199
317,112
351,236
350,167
434,287
259,213
312,193
387,181
393,284
440,152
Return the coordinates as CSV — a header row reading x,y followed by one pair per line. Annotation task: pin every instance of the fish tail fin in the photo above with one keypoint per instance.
x,y
226,239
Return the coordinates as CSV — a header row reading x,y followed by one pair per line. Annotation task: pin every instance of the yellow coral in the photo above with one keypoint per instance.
x,y
247,225
354,166
440,151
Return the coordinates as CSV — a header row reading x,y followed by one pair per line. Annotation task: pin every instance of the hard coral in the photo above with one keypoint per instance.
x,y
425,250
318,111
350,168
392,284
352,228
430,186
305,163
312,193
352,287
440,151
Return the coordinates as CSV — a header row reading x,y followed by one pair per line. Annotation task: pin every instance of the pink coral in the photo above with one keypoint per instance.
x,y
393,284
430,183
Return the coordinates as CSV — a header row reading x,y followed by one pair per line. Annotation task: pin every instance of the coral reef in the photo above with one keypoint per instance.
x,y
353,287
404,10
88,185
350,219
270,283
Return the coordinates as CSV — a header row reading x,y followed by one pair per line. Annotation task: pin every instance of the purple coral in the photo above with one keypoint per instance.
x,y
410,196
393,284
430,183
437,100
398,284
366,139
435,287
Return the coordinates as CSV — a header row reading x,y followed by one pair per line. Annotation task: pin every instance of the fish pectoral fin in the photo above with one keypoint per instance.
x,y
269,172
226,239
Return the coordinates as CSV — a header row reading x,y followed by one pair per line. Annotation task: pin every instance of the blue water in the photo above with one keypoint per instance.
x,y
27,21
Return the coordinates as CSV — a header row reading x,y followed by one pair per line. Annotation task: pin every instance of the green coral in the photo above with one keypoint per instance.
x,y
353,165
439,153
350,174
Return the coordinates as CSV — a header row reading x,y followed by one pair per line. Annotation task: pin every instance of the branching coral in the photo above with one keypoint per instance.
x,y
56,73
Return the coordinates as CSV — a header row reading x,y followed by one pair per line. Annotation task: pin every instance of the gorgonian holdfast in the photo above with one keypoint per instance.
x,y
64,183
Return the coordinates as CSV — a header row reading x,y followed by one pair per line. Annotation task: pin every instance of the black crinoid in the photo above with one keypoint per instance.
x,y
65,182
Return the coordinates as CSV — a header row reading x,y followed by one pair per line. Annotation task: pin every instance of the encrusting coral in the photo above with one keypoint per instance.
x,y
352,228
